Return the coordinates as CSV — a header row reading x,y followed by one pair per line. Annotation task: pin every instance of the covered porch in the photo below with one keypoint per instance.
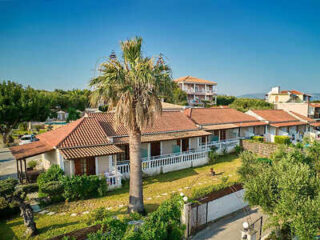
x,y
296,131
94,160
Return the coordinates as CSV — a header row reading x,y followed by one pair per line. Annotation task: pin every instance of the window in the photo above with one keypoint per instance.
x,y
83,165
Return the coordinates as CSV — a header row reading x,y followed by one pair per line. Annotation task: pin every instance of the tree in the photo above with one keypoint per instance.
x,y
176,95
18,104
224,100
132,87
288,190
73,114
245,104
15,195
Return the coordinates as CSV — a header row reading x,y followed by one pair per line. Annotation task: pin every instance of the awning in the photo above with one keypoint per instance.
x,y
94,151
220,126
251,124
316,124
164,136
287,124
30,149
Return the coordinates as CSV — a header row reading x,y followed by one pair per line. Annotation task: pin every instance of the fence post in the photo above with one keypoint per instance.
x,y
186,219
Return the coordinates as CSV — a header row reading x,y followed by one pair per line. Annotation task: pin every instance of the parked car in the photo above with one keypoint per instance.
x,y
27,139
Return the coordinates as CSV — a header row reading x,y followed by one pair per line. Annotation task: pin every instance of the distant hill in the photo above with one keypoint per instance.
x,y
253,95
314,96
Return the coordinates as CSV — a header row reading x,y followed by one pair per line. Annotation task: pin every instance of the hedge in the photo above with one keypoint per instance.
x,y
282,140
258,138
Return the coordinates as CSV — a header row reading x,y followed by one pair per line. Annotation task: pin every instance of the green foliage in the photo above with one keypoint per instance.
x,y
258,138
213,155
7,187
238,149
245,104
54,190
23,126
54,173
162,224
83,187
97,215
176,95
29,188
103,108
32,163
201,192
288,190
73,114
224,100
282,140
19,104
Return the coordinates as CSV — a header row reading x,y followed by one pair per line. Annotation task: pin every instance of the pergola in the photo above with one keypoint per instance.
x,y
22,152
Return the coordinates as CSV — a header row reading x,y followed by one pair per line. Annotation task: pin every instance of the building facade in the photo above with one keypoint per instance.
x,y
197,89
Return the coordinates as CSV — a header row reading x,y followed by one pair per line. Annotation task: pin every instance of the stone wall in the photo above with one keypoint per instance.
x,y
262,149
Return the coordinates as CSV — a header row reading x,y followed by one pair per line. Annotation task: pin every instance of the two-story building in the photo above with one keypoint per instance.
x,y
197,89
286,96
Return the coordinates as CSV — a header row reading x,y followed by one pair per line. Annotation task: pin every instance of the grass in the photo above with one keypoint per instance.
x,y
156,189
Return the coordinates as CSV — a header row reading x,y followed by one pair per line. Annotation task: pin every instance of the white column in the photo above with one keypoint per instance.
x,y
97,165
180,145
71,162
149,150
110,163
160,147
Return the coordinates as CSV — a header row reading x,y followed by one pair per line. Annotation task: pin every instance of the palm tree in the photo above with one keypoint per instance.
x,y
132,87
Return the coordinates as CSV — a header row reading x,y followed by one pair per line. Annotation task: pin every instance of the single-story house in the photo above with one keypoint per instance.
x,y
226,123
281,123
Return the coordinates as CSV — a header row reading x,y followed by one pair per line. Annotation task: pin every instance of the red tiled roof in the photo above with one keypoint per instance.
x,y
292,92
166,122
30,150
55,137
210,116
309,120
316,105
287,124
190,79
88,132
93,151
275,115
316,124
164,136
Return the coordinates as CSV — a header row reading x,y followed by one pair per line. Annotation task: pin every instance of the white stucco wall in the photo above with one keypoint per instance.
x,y
167,146
193,143
301,108
49,158
104,164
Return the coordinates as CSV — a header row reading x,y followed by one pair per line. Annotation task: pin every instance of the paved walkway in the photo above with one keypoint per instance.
x,y
8,165
228,228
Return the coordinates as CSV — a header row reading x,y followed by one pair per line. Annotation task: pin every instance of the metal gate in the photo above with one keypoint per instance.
x,y
256,226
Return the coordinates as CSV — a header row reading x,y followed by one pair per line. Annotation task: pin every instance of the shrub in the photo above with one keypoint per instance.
x,y
83,187
282,140
29,188
54,173
238,149
32,164
213,155
53,190
201,192
23,126
97,215
258,138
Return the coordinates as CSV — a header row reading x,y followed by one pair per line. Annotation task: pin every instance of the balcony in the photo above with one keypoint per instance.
x,y
176,161
199,91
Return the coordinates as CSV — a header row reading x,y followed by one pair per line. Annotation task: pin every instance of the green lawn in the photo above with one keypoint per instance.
x,y
156,190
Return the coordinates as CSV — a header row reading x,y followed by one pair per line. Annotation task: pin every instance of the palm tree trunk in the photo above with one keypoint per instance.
x,y
136,191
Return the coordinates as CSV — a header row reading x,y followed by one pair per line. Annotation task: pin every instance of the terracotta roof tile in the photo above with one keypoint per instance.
x,y
93,151
287,124
190,79
316,124
164,136
211,116
166,122
30,150
300,116
54,137
275,115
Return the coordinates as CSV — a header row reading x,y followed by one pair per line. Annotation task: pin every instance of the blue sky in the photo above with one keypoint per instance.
x,y
246,46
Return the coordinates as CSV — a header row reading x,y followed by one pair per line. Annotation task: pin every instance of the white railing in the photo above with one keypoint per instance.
x,y
183,160
114,181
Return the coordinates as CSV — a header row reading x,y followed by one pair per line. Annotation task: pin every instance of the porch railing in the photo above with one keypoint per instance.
x,y
180,157
114,181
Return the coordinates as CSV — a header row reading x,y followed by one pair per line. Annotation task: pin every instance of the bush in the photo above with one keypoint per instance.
x,y
97,215
282,140
201,192
54,173
83,187
258,138
213,155
53,190
32,164
29,188
238,149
